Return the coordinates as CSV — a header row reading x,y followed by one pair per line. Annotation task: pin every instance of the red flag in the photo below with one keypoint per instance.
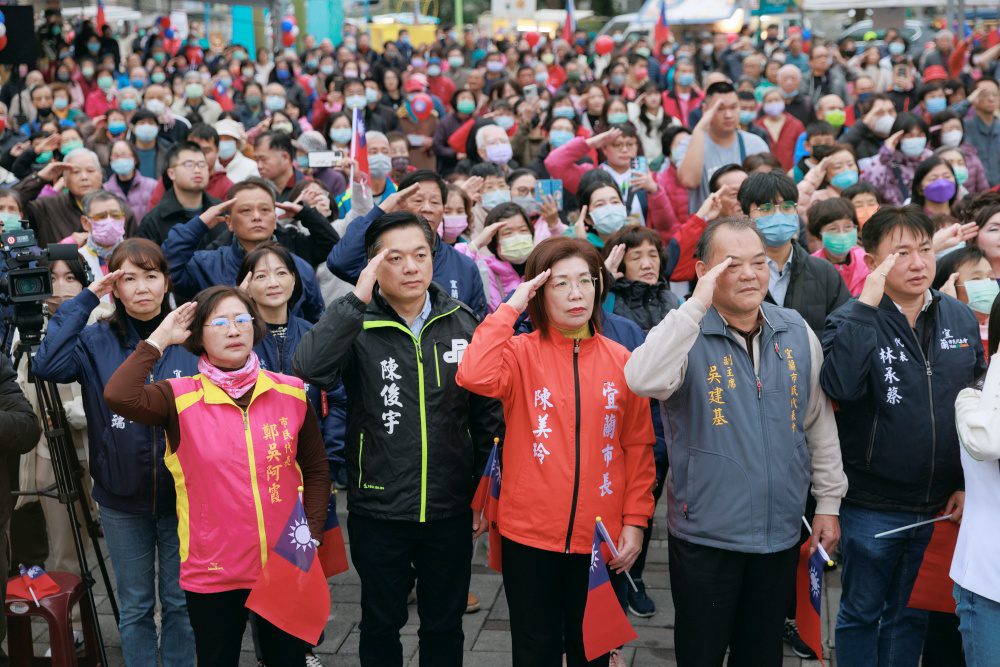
x,y
333,553
359,148
661,33
101,21
605,626
933,588
291,592
493,509
808,595
569,26
483,488
34,577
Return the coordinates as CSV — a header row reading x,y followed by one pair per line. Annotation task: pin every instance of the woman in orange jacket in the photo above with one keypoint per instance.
x,y
579,445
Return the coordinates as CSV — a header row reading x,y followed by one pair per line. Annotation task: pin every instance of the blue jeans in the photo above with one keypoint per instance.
x,y
139,545
874,625
979,623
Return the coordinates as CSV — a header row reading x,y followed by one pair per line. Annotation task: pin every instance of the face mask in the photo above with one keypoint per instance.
x,y
275,102
433,70
158,77
312,63
69,146
380,165
60,103
254,101
844,179
913,146
883,125
836,117
982,294
499,153
896,48
107,231
564,112
951,138
117,127
789,95
840,244
400,164
685,79
43,157
94,47
123,166
778,228
371,95
961,174
559,138
495,198
940,190
541,78
302,161
935,104
617,80
494,66
193,91
63,76
747,117
617,118
146,132
452,227
572,76
340,135
642,51
455,62
156,106
355,101
327,70
529,204
159,57
248,73
864,213
87,72
466,106
418,62
227,148
138,83
286,128
774,109
11,222
516,247
128,104
226,83
864,97
105,82
506,122
707,49
609,218
548,58
283,75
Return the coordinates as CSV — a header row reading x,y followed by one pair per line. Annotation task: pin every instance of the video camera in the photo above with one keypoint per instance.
x,y
24,285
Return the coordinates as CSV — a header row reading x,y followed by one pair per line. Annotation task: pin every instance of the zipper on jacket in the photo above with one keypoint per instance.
x,y
760,416
930,399
152,440
871,443
437,365
576,468
361,448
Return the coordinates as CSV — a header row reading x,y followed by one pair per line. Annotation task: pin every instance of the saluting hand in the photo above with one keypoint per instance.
x,y
366,281
175,327
704,291
526,290
871,293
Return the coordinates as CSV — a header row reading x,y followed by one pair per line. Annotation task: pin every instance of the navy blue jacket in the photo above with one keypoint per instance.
x,y
276,355
126,458
896,415
192,270
454,273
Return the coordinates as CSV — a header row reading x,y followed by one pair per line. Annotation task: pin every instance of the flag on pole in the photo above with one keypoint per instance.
x,y
486,502
359,148
101,21
569,26
933,588
333,553
808,594
605,626
32,584
661,33
483,488
291,591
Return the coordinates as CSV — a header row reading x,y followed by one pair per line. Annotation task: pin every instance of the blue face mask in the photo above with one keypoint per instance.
x,y
303,161
495,198
617,118
982,294
778,228
747,117
844,179
935,104
840,244
123,166
559,138
609,218
340,135
116,127
685,79
564,112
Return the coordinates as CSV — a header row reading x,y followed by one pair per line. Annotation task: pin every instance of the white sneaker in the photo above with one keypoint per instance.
x,y
77,643
312,660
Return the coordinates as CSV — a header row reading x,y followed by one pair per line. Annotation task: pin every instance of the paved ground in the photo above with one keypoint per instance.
x,y
487,639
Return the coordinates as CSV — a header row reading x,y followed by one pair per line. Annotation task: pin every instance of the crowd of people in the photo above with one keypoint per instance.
x,y
532,242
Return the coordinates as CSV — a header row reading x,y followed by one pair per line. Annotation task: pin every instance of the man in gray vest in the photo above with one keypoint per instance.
x,y
747,428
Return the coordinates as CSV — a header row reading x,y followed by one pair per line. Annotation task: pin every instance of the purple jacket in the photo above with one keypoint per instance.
x,y
977,173
138,195
882,170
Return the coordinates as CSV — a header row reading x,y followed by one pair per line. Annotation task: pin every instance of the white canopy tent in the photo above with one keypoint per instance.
x,y
686,12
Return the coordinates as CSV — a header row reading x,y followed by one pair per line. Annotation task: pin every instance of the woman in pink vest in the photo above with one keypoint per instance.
x,y
241,441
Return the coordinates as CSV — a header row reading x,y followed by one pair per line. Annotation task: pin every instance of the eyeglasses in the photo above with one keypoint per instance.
x,y
784,207
191,164
564,286
220,324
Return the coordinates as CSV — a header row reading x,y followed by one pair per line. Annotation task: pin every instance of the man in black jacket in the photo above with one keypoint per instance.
x,y
807,284
20,433
415,440
895,361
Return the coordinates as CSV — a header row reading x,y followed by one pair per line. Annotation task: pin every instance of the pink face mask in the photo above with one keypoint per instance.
x,y
451,227
107,231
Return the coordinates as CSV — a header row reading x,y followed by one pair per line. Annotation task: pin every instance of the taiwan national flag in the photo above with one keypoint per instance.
x,y
333,553
483,488
291,592
661,33
486,502
569,26
809,593
32,580
605,626
101,21
359,147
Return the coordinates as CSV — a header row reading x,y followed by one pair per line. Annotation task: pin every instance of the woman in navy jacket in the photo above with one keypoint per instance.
x,y
131,483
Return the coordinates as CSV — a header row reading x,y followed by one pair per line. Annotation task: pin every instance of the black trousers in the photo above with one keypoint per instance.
x,y
728,600
547,593
441,553
219,620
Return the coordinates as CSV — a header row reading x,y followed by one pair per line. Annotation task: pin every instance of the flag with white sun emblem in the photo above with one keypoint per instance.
x,y
291,591
809,595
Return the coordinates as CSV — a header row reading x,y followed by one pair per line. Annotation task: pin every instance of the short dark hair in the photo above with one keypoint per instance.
x,y
277,141
713,182
593,180
395,220
737,223
144,114
820,128
924,168
907,121
422,175
764,187
829,210
860,188
952,261
719,88
486,169
545,255
207,300
203,131
518,173
758,160
180,147
148,256
889,218
669,134
253,182
270,247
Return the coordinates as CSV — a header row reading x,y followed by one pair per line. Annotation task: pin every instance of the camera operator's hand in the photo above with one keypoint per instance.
x,y
52,171
103,285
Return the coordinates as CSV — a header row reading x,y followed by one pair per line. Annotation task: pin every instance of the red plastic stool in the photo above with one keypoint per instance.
x,y
55,610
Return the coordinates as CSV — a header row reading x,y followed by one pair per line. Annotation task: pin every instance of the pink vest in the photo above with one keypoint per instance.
x,y
235,475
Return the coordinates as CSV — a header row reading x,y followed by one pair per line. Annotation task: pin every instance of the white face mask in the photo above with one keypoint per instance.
x,y
951,138
883,125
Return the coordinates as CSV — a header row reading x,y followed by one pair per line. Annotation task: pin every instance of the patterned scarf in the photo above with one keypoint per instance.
x,y
235,383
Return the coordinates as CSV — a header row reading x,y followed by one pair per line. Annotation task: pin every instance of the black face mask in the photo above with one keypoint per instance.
x,y
43,111
848,53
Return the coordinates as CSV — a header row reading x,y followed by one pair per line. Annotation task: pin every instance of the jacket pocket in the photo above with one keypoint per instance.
x,y
719,498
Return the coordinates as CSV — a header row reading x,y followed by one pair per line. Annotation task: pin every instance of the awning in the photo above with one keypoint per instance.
x,y
685,12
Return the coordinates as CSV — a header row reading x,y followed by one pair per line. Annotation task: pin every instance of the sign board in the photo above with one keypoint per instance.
x,y
513,9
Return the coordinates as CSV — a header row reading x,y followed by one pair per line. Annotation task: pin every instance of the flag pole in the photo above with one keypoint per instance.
x,y
614,550
819,545
354,139
912,525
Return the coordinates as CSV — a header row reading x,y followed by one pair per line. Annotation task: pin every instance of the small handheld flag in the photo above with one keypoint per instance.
x,y
808,594
33,584
100,20
661,33
932,589
569,25
359,147
486,503
605,626
291,591
614,550
332,553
